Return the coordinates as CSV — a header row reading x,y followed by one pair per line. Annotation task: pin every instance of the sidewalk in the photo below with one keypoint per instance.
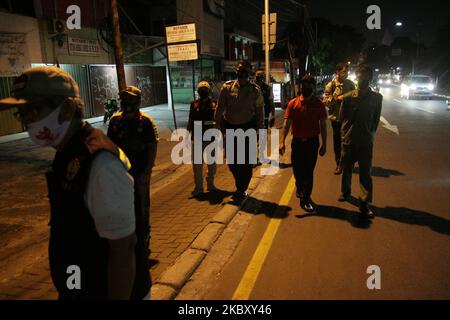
x,y
177,221
161,114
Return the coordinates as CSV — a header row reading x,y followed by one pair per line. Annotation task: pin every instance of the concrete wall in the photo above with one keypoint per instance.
x,y
12,23
210,29
62,52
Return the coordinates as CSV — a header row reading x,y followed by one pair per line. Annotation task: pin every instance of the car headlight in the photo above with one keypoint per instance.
x,y
431,87
388,81
380,81
413,87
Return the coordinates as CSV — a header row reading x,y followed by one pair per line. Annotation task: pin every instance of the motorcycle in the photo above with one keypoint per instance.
x,y
110,106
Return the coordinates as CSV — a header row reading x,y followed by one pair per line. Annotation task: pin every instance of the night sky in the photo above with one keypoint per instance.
x,y
426,15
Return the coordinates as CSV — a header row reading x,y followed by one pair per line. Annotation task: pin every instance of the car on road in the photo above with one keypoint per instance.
x,y
384,80
417,86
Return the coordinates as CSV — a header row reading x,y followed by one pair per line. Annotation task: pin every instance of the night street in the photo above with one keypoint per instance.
x,y
409,238
225,158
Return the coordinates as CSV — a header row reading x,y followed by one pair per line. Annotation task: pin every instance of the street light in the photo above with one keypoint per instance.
x,y
399,24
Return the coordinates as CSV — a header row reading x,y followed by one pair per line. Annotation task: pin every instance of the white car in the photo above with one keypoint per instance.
x,y
417,86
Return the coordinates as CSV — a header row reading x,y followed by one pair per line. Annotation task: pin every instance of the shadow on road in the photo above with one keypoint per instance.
x,y
270,209
214,197
399,214
285,165
381,172
353,217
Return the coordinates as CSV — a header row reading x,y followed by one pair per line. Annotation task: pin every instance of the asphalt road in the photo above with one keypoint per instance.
x,y
287,254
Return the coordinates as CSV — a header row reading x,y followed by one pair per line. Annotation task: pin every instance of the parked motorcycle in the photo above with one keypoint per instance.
x,y
110,108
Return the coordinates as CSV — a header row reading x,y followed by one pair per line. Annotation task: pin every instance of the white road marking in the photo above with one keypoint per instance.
x,y
389,126
398,101
426,110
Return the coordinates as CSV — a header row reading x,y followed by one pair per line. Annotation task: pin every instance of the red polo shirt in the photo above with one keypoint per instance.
x,y
305,116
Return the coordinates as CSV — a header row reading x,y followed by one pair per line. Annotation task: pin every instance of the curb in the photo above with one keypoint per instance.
x,y
176,276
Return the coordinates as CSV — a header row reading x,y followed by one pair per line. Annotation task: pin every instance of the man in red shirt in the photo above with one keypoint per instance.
x,y
307,116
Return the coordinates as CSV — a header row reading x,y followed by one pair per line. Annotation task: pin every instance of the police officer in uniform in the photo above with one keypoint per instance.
x,y
241,106
92,231
269,107
334,91
136,134
202,110
361,113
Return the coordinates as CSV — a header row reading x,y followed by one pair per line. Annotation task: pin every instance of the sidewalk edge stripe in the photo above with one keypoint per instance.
x,y
251,274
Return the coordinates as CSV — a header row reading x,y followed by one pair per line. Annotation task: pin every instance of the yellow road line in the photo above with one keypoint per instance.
x,y
251,274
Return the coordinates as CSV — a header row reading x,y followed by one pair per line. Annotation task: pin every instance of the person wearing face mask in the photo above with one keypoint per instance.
x,y
90,227
241,106
136,134
361,111
269,107
333,100
203,110
307,116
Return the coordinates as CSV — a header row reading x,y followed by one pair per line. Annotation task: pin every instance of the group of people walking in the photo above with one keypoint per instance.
x,y
354,112
99,185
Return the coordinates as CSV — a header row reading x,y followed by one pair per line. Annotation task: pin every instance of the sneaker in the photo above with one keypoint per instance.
x,y
338,170
344,197
364,209
152,262
239,196
197,192
308,206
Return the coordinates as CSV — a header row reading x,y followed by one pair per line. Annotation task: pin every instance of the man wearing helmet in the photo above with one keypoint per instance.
x,y
136,134
202,110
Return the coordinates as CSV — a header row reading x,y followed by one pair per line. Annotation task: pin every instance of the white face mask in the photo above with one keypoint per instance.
x,y
48,131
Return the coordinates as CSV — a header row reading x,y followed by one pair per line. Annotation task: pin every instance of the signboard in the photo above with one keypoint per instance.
x,y
276,89
272,31
83,47
182,52
14,57
396,52
181,33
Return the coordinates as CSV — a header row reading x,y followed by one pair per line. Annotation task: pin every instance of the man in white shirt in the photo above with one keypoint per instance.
x,y
92,225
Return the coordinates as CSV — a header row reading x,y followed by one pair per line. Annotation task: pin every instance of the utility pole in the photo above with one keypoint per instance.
x,y
267,40
118,52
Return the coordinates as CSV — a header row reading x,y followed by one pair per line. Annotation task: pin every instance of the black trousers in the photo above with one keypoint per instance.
x,y
143,280
242,173
362,154
304,158
337,141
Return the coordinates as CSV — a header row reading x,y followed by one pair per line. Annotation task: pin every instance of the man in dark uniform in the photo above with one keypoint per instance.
x,y
241,106
361,113
333,100
136,134
92,231
202,110
269,107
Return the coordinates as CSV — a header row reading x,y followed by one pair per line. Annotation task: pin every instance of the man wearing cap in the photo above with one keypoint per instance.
x,y
269,107
92,230
361,111
307,116
241,106
202,111
136,134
